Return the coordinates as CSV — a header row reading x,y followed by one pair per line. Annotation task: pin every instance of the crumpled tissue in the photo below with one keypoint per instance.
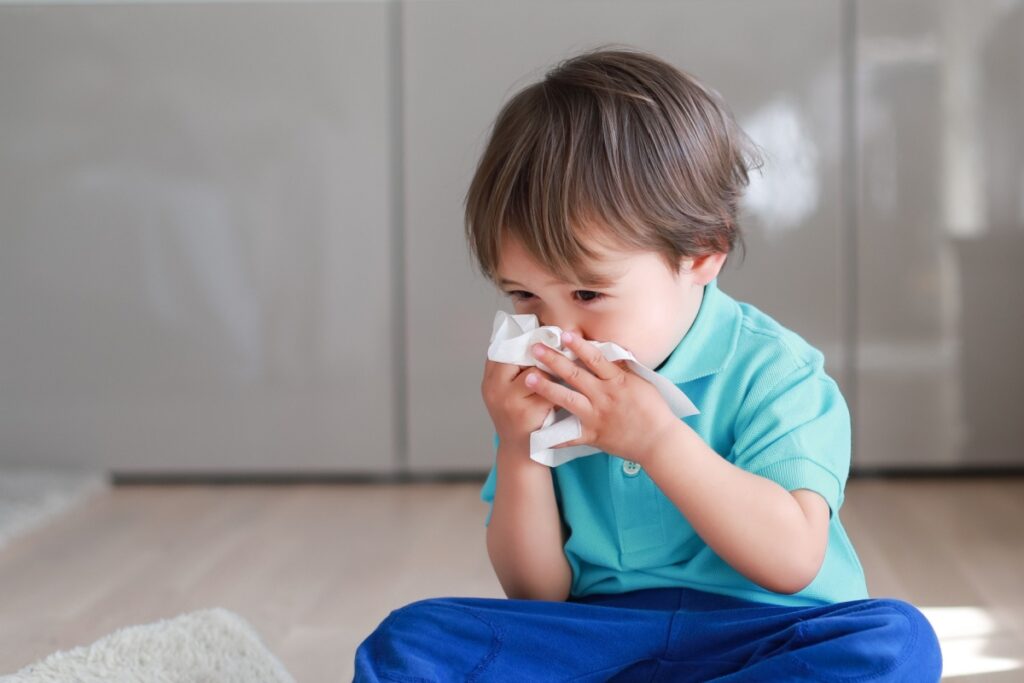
x,y
511,339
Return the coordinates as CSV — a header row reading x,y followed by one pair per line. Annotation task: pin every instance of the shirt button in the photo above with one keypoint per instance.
x,y
630,468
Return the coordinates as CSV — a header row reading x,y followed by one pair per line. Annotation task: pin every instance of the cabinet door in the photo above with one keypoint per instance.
x,y
196,266
940,234
778,65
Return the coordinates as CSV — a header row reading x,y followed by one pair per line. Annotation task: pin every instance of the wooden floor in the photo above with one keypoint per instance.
x,y
316,568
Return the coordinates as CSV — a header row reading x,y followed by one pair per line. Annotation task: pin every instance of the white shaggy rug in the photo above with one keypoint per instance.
x,y
208,646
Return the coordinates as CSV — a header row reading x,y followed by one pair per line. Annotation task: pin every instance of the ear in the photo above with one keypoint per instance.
x,y
705,268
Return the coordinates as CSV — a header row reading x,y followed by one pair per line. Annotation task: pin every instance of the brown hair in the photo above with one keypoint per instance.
x,y
613,143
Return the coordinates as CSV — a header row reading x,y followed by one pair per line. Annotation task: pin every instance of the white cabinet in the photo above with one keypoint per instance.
x,y
196,251
940,234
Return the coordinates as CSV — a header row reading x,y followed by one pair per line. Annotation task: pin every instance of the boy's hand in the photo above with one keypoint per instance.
x,y
515,408
621,413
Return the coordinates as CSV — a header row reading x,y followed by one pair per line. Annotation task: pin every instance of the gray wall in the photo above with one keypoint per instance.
x,y
232,233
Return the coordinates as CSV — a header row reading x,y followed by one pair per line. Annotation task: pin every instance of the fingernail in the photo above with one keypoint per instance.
x,y
531,380
567,337
539,349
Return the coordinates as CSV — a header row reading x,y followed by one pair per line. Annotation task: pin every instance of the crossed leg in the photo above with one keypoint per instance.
x,y
650,635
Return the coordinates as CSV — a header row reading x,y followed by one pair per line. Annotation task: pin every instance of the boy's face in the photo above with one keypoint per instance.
x,y
647,309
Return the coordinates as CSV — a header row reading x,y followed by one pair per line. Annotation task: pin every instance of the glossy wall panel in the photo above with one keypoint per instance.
x,y
232,239
940,233
777,64
196,265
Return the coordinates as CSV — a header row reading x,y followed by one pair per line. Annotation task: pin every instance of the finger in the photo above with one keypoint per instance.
x,y
527,390
570,371
502,372
591,356
573,401
572,442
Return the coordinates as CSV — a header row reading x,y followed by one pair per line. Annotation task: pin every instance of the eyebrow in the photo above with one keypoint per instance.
x,y
597,283
504,281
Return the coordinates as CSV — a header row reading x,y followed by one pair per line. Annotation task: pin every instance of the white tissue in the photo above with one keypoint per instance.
x,y
511,339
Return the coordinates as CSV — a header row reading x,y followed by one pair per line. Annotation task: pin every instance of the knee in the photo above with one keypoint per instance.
x,y
914,653
386,649
432,640
877,639
393,629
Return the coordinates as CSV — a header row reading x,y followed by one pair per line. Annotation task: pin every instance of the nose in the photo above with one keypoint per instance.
x,y
562,319
571,327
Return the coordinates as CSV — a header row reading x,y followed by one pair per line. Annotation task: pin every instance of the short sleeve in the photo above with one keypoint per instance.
x,y
797,433
487,492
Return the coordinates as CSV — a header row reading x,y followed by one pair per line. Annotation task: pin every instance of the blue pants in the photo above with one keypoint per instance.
x,y
658,634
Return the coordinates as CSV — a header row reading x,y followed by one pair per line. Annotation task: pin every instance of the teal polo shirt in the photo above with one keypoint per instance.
x,y
767,406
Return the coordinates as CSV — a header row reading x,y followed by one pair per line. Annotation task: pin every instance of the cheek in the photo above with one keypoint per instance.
x,y
644,334
520,306
623,331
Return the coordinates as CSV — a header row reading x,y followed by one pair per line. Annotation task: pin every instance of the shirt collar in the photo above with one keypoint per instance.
x,y
709,343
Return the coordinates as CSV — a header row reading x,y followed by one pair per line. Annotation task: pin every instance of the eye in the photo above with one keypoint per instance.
x,y
585,296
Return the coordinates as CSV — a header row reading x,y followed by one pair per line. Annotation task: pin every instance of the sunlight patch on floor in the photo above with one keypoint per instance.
x,y
969,637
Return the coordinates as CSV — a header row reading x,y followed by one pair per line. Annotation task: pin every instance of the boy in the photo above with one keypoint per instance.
x,y
693,549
